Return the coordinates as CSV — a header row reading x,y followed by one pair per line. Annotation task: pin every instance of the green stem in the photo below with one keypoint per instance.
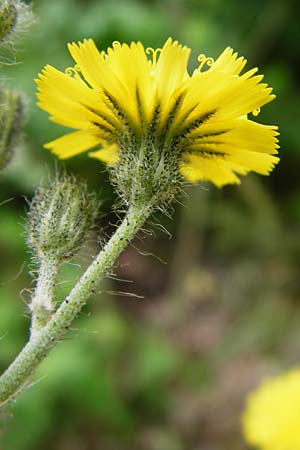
x,y
41,306
19,373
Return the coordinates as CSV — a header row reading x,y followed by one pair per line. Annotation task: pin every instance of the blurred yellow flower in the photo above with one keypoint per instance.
x,y
129,97
271,420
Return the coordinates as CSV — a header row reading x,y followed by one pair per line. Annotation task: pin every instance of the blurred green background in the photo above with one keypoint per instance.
x,y
170,371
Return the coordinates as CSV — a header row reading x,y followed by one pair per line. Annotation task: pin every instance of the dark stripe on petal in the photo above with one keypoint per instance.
x,y
208,134
140,106
182,135
183,132
118,111
172,114
103,117
205,153
151,137
155,118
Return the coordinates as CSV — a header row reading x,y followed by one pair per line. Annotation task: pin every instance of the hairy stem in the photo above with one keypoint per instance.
x,y
19,373
41,306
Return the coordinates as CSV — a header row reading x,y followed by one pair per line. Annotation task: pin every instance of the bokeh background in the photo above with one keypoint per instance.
x,y
221,306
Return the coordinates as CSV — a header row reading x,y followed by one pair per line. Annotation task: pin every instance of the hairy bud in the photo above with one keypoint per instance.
x,y
8,19
60,216
11,120
15,18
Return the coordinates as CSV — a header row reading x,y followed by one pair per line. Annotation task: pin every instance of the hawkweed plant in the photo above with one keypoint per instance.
x,y
156,127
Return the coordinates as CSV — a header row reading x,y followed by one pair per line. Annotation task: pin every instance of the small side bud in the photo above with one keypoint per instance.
x,y
8,19
11,120
15,18
60,216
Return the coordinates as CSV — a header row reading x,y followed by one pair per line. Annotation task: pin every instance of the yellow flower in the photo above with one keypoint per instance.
x,y
272,417
130,98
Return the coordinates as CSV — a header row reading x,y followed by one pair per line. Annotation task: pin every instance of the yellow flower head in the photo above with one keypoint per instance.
x,y
131,104
271,420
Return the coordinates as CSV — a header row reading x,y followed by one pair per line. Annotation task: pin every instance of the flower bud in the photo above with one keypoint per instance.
x,y
11,120
15,17
8,19
60,216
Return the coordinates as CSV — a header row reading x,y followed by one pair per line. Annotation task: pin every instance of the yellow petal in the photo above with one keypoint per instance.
x,y
220,168
213,169
235,134
98,72
170,72
227,95
93,66
229,62
73,143
72,100
130,64
109,154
